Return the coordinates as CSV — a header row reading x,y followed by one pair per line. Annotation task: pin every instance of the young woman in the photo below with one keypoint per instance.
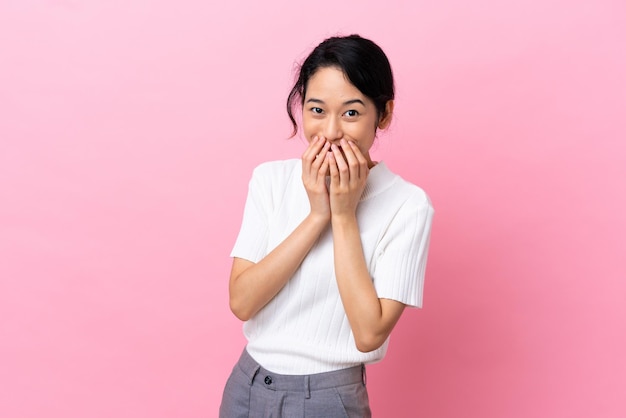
x,y
332,247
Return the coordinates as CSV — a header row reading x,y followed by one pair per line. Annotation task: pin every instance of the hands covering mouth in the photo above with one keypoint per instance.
x,y
348,171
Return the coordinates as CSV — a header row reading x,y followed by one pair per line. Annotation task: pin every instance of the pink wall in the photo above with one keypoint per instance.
x,y
128,132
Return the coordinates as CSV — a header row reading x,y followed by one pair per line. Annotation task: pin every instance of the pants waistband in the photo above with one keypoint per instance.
x,y
299,383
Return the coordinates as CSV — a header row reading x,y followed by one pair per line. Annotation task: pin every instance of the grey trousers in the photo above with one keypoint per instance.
x,y
254,392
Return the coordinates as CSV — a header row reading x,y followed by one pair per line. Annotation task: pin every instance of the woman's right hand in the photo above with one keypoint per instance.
x,y
315,166
254,285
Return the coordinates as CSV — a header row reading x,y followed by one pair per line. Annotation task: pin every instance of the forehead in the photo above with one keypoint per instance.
x,y
329,83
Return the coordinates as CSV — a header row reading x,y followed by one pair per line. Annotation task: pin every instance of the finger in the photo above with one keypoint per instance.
x,y
321,155
364,168
311,149
319,168
324,156
342,167
332,168
308,157
351,159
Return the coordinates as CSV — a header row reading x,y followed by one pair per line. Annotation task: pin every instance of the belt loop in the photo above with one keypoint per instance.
x,y
254,373
363,374
307,387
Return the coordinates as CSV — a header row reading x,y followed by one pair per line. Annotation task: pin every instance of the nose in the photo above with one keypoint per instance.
x,y
332,129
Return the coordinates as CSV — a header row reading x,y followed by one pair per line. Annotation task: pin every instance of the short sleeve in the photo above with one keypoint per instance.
x,y
400,264
251,243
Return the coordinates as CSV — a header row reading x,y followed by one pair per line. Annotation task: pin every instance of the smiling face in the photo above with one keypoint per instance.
x,y
334,109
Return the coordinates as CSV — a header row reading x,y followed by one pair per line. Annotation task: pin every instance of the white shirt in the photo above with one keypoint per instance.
x,y
304,328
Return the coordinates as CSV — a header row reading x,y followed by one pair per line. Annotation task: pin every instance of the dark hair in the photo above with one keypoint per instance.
x,y
361,60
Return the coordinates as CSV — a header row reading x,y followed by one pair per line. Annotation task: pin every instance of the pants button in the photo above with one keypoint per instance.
x,y
268,380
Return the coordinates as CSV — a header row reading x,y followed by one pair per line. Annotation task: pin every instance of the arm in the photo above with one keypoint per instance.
x,y
253,285
371,319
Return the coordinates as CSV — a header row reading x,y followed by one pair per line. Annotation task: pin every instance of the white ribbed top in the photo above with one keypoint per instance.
x,y
304,329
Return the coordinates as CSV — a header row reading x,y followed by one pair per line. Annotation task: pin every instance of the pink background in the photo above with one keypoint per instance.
x,y
128,132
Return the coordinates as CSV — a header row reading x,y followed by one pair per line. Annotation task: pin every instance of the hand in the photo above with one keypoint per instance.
x,y
348,176
315,162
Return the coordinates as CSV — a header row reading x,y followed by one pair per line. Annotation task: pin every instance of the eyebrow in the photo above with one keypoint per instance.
x,y
348,102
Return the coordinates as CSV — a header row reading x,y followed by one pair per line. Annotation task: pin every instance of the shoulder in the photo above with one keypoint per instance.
x,y
415,207
408,196
272,179
277,170
415,196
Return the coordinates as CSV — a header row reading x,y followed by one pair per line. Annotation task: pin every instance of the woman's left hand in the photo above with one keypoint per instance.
x,y
348,176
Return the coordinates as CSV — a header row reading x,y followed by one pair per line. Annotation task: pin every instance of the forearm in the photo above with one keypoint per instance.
x,y
371,318
252,286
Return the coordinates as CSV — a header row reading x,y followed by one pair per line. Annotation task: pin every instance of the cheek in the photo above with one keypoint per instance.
x,y
361,133
364,138
309,128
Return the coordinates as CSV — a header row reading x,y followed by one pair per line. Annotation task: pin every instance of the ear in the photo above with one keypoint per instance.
x,y
386,117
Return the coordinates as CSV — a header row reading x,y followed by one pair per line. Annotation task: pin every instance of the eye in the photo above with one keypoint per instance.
x,y
352,113
317,110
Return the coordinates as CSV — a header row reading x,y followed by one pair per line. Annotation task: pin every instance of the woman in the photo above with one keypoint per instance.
x,y
332,247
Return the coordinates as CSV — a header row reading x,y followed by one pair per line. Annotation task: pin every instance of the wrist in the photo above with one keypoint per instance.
x,y
346,219
318,219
